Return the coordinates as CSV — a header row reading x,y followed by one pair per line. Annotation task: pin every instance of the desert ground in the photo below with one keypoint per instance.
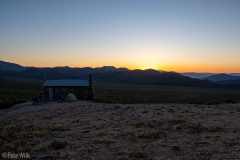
x,y
102,131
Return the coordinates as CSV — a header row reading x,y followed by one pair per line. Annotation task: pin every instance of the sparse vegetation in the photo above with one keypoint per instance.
x,y
150,134
14,93
102,133
137,153
131,94
150,124
176,121
139,124
56,128
2,122
43,146
128,134
196,128
229,100
103,140
216,129
154,124
10,134
38,132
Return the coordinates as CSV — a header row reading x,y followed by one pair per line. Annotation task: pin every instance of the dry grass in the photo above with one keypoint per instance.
x,y
116,131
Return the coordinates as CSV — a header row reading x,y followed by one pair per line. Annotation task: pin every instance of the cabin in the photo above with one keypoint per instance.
x,y
82,89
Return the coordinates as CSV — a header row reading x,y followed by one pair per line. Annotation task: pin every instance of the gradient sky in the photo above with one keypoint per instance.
x,y
171,35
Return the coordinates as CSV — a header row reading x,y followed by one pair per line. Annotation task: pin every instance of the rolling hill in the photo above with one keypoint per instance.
x,y
7,66
154,77
196,75
221,77
230,82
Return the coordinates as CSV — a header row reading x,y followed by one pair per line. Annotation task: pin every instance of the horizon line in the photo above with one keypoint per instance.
x,y
181,72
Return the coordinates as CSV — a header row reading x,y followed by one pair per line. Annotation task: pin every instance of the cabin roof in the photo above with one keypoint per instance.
x,y
66,83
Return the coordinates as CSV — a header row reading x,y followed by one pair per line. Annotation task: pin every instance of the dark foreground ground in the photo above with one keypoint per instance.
x,y
12,93
85,130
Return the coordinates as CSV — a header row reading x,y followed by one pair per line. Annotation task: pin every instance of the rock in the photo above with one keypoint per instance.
x,y
59,112
126,108
47,117
85,131
177,127
30,126
1,142
176,148
146,111
59,143
45,156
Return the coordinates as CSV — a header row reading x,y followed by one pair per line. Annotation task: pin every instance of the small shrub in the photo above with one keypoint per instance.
x,y
139,124
176,121
102,133
154,123
200,128
150,134
44,146
57,128
146,111
231,144
24,146
216,129
39,132
2,122
137,153
212,102
228,100
12,132
130,134
196,128
103,140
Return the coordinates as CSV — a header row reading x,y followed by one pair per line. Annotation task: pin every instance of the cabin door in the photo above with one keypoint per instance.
x,y
51,93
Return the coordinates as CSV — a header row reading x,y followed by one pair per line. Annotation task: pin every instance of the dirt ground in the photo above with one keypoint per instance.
x,y
98,131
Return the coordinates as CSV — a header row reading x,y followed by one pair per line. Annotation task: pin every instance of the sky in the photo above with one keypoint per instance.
x,y
170,35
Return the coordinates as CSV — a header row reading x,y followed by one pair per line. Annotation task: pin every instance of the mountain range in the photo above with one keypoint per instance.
x,y
13,72
219,78
7,66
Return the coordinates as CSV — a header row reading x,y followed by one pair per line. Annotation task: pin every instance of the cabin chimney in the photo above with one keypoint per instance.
x,y
91,94
90,80
45,76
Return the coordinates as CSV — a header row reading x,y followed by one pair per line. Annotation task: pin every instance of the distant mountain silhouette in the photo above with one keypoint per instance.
x,y
154,77
106,73
52,73
222,77
109,69
196,75
7,66
235,74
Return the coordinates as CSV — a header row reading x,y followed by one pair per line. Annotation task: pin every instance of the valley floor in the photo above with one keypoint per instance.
x,y
85,130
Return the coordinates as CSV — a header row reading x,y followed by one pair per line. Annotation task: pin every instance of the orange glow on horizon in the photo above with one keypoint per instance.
x,y
216,68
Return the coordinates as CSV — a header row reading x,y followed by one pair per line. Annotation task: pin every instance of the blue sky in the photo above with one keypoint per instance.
x,y
186,35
